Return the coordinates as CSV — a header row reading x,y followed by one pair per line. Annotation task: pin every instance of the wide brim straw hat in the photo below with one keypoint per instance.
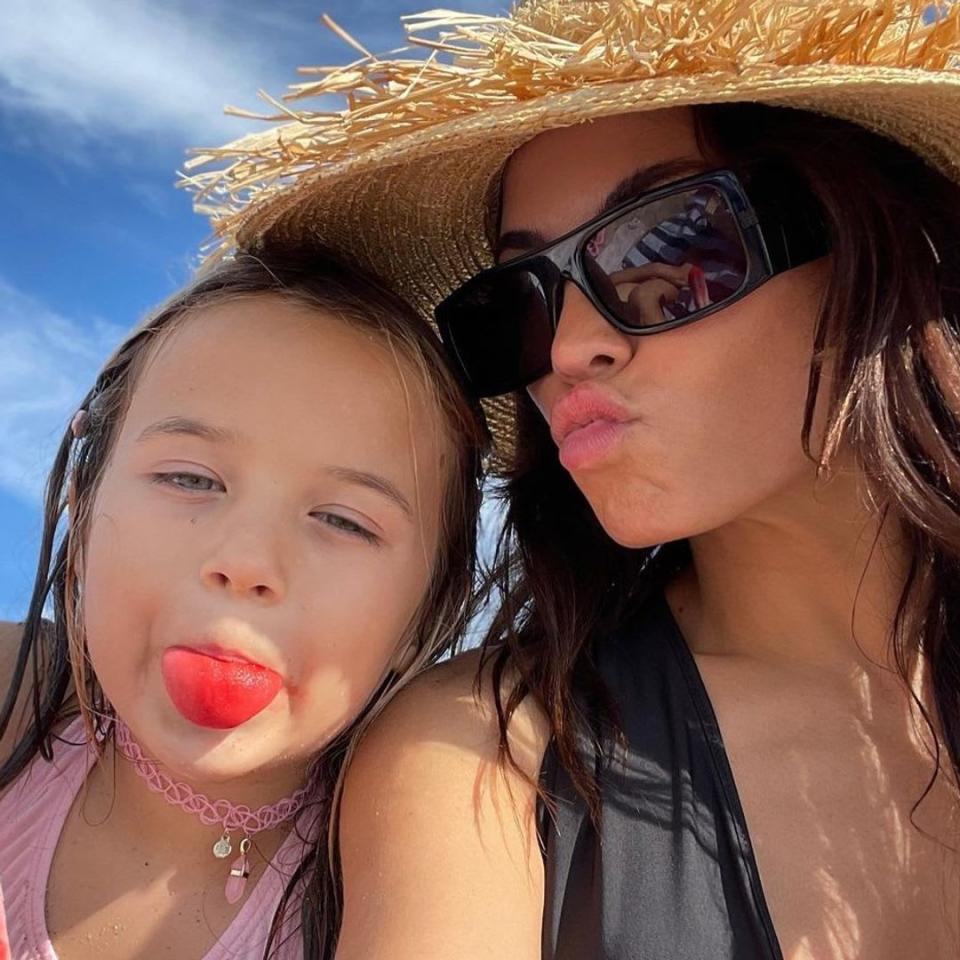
x,y
403,180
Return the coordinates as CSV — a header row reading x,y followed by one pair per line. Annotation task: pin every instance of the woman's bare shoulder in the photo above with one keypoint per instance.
x,y
453,702
438,836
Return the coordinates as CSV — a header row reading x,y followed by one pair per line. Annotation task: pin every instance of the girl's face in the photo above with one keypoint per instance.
x,y
263,535
713,410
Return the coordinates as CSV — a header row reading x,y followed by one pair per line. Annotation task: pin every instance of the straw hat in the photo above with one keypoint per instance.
x,y
403,179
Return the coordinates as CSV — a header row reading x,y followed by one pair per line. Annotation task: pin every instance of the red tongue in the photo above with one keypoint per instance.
x,y
217,693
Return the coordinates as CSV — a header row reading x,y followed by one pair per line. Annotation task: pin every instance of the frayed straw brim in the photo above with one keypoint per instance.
x,y
403,180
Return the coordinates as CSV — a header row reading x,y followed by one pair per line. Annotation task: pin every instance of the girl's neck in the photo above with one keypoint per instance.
x,y
812,578
116,794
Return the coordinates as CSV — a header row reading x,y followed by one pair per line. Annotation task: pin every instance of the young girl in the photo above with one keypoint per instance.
x,y
270,498
728,652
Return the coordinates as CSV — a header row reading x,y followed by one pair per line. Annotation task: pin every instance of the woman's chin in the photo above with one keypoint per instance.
x,y
636,520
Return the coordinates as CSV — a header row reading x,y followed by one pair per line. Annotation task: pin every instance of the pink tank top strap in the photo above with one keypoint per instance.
x,y
4,938
32,814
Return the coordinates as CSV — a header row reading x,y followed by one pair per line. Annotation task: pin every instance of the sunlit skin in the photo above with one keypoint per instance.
x,y
274,491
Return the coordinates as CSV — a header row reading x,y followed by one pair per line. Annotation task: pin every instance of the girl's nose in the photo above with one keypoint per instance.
x,y
247,564
585,346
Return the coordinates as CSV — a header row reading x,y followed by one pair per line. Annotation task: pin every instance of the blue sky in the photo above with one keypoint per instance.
x,y
99,100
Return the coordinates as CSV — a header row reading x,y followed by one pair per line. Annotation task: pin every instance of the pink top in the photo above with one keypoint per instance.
x,y
28,842
4,942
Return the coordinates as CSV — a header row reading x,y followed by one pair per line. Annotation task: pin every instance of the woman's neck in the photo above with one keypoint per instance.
x,y
813,577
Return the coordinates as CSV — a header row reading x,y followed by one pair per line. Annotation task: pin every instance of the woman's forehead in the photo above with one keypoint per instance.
x,y
563,177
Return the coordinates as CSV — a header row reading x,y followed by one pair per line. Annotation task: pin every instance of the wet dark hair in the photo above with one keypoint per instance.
x,y
891,321
52,666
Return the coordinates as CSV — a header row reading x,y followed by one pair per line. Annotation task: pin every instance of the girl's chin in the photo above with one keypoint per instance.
x,y
219,773
197,754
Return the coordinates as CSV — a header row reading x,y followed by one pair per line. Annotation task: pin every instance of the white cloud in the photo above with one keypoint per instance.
x,y
74,72
132,67
47,363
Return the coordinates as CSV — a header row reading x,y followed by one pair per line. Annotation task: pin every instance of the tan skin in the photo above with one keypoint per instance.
x,y
828,757
254,537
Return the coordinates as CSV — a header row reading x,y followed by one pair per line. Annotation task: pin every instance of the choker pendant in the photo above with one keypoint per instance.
x,y
239,872
223,847
229,816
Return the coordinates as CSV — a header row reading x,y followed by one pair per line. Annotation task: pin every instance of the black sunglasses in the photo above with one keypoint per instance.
x,y
665,259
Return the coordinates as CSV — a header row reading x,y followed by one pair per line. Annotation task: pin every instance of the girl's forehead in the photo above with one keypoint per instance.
x,y
288,377
278,351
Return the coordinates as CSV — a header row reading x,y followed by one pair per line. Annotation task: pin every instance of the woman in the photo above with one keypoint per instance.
x,y
724,668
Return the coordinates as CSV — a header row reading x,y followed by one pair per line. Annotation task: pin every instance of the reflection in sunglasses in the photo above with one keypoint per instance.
x,y
647,292
688,242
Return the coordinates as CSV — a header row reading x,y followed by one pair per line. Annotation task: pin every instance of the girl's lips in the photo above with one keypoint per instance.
x,y
211,691
585,446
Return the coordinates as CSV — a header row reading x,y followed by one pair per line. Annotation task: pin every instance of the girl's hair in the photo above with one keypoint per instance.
x,y
891,323
52,665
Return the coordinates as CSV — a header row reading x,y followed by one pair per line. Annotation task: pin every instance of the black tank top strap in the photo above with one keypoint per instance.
x,y
671,872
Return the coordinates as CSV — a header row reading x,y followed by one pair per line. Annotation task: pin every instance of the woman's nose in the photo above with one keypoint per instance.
x,y
247,564
585,346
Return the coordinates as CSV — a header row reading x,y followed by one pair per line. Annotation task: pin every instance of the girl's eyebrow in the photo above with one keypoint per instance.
x,y
373,481
174,426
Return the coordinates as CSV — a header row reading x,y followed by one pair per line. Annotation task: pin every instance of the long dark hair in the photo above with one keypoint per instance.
x,y
52,666
891,320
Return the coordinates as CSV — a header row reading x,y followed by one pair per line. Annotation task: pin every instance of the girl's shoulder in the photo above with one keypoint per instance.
x,y
438,835
10,636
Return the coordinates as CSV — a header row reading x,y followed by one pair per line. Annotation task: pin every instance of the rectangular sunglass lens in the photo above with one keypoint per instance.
x,y
499,330
667,260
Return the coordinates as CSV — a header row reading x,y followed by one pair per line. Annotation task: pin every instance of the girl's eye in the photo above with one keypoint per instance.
x,y
191,482
350,527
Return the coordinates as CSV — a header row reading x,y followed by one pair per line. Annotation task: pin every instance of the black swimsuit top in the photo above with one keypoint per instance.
x,y
672,874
